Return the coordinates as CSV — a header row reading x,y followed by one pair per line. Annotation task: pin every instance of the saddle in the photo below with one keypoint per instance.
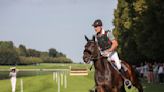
x,y
123,66
127,82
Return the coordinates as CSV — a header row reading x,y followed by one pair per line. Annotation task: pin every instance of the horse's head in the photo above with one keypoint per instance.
x,y
91,50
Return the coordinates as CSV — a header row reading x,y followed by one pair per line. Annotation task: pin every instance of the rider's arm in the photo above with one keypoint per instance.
x,y
113,40
114,45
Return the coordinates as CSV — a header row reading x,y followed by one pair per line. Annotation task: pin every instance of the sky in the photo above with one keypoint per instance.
x,y
59,24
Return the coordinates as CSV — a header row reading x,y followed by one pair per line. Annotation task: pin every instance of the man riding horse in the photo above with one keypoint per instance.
x,y
107,44
109,77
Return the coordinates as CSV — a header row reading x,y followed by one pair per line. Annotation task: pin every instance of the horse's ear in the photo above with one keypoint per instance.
x,y
86,38
93,38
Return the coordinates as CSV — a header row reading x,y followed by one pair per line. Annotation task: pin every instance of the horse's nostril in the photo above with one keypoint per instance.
x,y
85,59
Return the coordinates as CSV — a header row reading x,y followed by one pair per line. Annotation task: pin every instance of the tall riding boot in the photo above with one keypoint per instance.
x,y
122,72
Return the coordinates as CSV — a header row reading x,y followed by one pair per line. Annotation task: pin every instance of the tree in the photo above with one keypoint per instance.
x,y
150,39
124,31
139,29
22,50
8,54
33,53
53,52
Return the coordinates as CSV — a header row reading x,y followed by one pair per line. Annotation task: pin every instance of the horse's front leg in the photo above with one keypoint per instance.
x,y
115,89
100,89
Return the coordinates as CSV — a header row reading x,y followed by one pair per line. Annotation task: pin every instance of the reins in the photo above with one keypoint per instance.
x,y
99,57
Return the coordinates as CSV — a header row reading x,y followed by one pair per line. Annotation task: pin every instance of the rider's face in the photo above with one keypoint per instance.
x,y
98,29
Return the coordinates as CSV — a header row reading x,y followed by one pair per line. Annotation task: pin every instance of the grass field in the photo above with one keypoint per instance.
x,y
48,66
45,83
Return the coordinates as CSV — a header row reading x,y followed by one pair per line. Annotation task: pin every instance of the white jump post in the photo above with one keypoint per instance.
x,y
21,82
65,80
56,77
58,82
61,79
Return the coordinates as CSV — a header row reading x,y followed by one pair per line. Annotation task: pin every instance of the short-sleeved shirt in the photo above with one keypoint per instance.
x,y
110,35
13,74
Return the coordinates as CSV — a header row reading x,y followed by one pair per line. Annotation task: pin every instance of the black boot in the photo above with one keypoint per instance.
x,y
122,72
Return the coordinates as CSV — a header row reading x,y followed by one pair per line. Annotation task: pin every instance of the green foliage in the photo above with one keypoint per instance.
x,y
6,44
8,54
62,60
29,60
151,36
33,53
139,29
56,60
124,31
22,51
52,52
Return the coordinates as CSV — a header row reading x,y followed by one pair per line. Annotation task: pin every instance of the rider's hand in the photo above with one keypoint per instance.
x,y
106,53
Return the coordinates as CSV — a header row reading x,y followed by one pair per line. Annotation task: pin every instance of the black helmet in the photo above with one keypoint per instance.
x,y
97,22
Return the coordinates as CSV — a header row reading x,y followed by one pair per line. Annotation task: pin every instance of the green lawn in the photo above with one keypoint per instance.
x,y
153,87
49,66
45,83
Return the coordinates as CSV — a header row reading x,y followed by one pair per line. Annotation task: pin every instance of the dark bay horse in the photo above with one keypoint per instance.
x,y
107,79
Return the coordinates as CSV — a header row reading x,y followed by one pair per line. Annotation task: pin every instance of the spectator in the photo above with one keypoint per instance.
x,y
142,71
161,73
150,73
145,70
155,71
13,74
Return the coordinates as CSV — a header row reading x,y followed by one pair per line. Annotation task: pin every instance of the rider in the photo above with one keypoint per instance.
x,y
107,44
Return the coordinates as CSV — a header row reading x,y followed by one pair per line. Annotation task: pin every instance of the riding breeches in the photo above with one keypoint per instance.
x,y
114,56
13,83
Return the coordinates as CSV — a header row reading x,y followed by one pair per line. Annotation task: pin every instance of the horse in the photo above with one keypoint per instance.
x,y
107,78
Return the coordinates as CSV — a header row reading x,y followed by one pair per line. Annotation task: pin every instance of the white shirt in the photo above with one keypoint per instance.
x,y
13,74
160,70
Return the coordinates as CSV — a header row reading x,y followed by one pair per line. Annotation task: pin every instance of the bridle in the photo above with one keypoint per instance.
x,y
92,57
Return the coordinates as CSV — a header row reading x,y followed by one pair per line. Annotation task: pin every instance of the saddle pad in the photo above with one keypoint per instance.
x,y
124,67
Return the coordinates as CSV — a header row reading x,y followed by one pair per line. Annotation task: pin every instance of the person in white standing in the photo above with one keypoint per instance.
x,y
13,74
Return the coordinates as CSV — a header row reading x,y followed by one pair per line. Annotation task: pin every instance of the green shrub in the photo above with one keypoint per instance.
x,y
56,60
29,60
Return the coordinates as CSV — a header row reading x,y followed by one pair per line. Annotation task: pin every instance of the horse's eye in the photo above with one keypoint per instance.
x,y
85,46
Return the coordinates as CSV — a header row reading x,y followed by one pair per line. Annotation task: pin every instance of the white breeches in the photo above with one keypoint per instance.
x,y
13,83
114,56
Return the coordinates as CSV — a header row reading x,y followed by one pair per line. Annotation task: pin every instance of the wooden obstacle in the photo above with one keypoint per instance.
x,y
78,72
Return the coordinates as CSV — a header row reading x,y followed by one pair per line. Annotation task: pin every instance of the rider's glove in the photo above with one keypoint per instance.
x,y
105,53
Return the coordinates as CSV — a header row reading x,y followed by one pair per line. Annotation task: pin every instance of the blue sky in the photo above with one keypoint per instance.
x,y
60,24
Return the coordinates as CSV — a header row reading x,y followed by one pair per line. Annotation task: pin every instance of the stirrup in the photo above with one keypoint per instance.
x,y
128,83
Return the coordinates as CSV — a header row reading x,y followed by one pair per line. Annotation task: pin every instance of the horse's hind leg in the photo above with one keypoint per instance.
x,y
133,77
139,86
